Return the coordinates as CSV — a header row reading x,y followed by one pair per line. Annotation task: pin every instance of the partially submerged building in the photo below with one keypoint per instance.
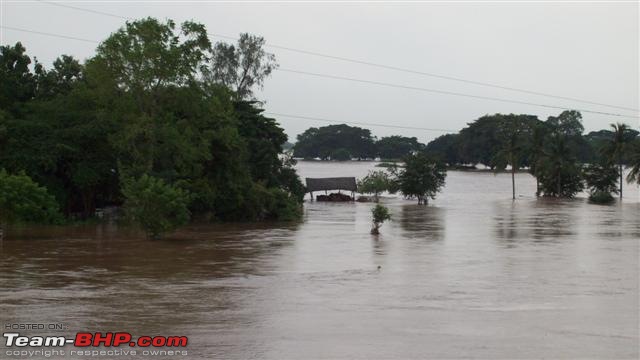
x,y
333,183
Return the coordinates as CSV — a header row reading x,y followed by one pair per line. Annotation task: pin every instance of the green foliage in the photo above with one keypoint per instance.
x,y
242,66
559,173
380,214
374,183
158,207
446,148
421,178
17,83
479,141
634,156
324,143
397,147
272,204
141,106
22,200
341,154
601,197
601,179
513,134
615,148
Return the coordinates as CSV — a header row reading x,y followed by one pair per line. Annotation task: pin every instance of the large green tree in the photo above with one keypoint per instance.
x,y
446,148
479,141
422,177
328,141
559,172
144,105
397,147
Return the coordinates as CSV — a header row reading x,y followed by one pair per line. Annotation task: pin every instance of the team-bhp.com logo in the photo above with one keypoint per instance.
x,y
83,339
91,341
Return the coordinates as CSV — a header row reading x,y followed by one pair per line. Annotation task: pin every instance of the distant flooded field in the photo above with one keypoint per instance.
x,y
472,275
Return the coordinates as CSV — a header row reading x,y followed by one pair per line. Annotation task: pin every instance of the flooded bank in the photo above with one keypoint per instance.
x,y
473,274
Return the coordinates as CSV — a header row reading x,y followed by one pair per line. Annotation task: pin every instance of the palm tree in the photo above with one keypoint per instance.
x,y
616,147
634,174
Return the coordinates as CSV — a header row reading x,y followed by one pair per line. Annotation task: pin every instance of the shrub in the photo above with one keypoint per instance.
x,y
601,180
374,183
601,197
158,207
380,215
23,200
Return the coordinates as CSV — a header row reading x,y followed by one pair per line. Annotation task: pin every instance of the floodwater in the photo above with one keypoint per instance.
x,y
471,275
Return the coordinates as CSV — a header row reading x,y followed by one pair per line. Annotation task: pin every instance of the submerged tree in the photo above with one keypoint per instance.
x,y
421,178
559,173
634,174
616,147
536,152
446,148
397,147
374,183
155,205
335,141
512,134
601,181
380,214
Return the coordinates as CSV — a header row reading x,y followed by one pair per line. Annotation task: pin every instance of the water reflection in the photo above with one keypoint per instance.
x,y
540,220
422,221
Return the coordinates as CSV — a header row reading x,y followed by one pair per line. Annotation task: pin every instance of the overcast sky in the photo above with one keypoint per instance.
x,y
588,51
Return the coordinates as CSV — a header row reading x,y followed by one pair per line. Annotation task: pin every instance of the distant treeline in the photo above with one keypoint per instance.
x,y
344,142
161,119
478,143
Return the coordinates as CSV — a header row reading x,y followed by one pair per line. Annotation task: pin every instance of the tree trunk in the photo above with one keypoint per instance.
x,y
513,181
537,186
620,169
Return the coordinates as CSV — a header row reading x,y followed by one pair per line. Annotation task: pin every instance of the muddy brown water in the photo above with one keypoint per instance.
x,y
471,275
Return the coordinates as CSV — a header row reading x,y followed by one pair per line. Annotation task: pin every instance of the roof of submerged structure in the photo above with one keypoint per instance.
x,y
334,183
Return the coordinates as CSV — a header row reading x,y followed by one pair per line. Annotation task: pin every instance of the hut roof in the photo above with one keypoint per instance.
x,y
336,183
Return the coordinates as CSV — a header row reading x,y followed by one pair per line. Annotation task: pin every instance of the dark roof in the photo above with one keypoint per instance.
x,y
336,183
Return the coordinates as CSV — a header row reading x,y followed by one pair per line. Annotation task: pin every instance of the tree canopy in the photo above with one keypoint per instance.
x,y
335,141
147,106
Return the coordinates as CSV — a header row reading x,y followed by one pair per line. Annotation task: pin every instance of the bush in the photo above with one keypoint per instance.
x,y
272,204
23,200
158,207
374,183
601,180
380,215
601,197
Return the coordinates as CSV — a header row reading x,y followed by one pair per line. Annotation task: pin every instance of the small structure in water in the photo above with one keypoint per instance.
x,y
335,183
